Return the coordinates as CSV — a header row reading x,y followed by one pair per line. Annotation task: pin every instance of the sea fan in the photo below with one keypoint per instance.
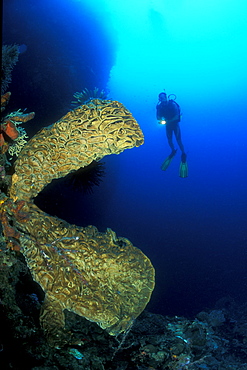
x,y
10,55
85,178
86,95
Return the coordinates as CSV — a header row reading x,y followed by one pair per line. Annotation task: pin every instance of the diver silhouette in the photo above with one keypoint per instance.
x,y
168,113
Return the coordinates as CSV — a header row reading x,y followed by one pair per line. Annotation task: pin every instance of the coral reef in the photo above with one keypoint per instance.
x,y
92,287
4,100
13,138
153,341
99,276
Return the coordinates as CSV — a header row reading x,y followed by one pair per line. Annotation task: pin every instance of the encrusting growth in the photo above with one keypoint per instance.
x,y
97,275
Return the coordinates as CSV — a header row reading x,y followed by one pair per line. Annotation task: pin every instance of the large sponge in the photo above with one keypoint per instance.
x,y
88,133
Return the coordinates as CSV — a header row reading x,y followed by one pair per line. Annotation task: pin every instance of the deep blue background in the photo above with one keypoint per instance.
x,y
194,229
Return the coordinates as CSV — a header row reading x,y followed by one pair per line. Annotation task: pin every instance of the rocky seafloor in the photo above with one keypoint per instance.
x,y
214,339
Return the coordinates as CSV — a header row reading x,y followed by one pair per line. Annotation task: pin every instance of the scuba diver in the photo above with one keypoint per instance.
x,y
168,114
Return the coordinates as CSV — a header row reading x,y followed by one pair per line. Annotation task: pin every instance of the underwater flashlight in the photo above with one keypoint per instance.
x,y
162,122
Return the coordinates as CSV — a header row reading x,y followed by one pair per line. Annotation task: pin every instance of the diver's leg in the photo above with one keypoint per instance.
x,y
177,133
169,137
167,162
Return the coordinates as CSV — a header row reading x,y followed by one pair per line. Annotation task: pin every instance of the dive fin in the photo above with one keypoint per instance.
x,y
168,160
183,169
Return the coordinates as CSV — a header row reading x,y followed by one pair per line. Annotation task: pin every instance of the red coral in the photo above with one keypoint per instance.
x,y
5,100
8,207
8,128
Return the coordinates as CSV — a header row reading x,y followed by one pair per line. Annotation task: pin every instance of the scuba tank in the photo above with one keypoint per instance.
x,y
174,97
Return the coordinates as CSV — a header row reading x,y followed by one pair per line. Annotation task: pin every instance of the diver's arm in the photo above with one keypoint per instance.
x,y
158,115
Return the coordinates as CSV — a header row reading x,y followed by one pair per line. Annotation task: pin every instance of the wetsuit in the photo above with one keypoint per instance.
x,y
170,111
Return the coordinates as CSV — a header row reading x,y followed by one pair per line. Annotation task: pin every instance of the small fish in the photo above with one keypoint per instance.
x,y
77,354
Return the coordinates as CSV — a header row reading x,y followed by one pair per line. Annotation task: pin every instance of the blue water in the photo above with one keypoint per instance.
x,y
194,229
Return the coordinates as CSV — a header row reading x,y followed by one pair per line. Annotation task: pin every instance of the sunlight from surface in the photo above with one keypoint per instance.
x,y
193,48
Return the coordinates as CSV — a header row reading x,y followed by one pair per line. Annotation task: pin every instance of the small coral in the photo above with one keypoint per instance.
x,y
86,95
18,144
13,139
4,100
